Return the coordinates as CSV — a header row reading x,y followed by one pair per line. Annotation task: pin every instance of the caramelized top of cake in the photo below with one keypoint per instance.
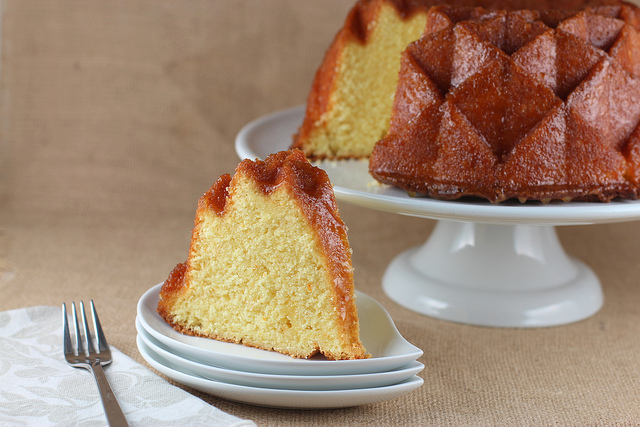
x,y
309,183
358,22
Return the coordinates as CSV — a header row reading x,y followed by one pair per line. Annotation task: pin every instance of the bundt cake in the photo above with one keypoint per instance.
x,y
351,97
524,104
269,264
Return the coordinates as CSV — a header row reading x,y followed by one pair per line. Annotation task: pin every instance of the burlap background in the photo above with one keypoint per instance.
x,y
117,115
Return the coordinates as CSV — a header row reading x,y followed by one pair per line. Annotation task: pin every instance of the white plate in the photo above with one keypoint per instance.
x,y
291,382
378,334
353,183
280,398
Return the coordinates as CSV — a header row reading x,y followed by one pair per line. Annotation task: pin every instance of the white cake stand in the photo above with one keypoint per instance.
x,y
483,264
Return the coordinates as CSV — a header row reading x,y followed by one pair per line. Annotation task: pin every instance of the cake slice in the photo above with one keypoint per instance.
x,y
269,264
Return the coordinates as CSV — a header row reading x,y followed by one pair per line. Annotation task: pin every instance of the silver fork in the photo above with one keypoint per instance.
x,y
91,359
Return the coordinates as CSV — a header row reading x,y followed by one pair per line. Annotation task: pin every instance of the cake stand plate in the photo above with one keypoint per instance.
x,y
483,264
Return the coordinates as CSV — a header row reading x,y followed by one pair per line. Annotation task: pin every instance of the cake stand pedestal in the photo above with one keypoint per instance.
x,y
483,264
494,275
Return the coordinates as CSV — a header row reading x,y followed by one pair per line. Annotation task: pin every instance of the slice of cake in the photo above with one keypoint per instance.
x,y
269,264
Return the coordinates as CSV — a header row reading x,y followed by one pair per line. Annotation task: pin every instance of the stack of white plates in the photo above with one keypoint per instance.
x,y
266,378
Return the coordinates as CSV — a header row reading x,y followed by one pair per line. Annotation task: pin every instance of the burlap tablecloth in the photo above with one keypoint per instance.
x,y
116,116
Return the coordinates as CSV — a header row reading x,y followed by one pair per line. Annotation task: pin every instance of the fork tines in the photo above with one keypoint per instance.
x,y
88,358
101,341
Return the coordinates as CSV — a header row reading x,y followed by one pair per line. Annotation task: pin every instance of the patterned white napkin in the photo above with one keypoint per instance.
x,y
38,388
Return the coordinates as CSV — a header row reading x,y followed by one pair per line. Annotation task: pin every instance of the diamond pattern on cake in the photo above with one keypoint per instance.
x,y
519,104
559,60
540,157
608,102
626,50
496,101
416,95
591,162
465,158
597,30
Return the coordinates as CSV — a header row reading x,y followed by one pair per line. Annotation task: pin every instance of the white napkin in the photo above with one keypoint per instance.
x,y
38,388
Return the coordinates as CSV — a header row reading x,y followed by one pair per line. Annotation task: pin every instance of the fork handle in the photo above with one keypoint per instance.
x,y
111,407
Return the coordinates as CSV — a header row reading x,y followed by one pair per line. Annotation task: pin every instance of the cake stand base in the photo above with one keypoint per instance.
x,y
494,275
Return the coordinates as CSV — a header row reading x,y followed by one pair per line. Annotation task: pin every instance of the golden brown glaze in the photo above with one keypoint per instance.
x,y
216,197
291,167
170,289
521,104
